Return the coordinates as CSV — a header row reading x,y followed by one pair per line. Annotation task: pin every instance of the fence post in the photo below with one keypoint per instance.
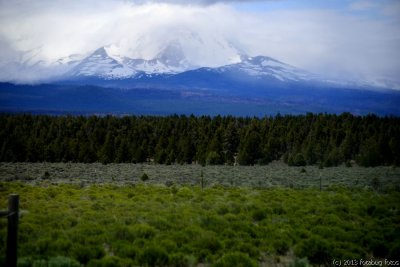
x,y
12,235
320,181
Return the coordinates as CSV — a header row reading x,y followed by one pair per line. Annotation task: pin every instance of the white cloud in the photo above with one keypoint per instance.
x,y
332,43
328,42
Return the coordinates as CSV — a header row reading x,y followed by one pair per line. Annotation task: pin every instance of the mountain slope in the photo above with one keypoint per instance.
x,y
100,64
103,64
169,61
110,63
171,70
84,99
252,77
266,67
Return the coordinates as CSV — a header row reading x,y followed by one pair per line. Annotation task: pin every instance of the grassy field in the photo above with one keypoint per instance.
x,y
105,215
271,175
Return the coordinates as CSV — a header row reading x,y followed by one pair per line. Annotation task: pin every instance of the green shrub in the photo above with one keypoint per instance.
x,y
213,158
222,209
259,214
209,242
153,255
46,175
181,260
143,231
85,253
144,177
179,238
125,249
109,261
169,183
62,244
212,222
185,192
281,246
236,259
316,250
380,249
40,263
297,160
279,209
394,253
43,246
22,262
369,155
61,261
248,248
160,223
122,232
300,263
376,183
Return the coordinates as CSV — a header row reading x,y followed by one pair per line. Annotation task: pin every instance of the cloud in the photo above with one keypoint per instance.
x,y
363,5
392,9
196,2
52,33
330,42
385,8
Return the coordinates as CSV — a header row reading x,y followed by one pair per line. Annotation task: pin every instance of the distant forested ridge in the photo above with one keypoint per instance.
x,y
327,140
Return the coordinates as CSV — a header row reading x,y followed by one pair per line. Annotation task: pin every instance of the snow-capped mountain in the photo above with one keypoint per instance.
x,y
265,67
172,52
176,60
182,72
170,82
251,74
170,60
105,64
102,65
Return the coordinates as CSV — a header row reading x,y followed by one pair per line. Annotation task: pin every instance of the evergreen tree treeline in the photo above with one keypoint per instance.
x,y
328,140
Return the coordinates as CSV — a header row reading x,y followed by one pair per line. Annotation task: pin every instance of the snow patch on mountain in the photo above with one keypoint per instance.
x,y
265,67
100,64
170,60
107,62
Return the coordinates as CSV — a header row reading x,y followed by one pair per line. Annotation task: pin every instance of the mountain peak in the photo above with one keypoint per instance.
x,y
261,60
263,67
108,62
102,52
172,54
101,64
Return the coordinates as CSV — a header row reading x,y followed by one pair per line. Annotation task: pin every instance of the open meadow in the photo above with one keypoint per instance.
x,y
189,215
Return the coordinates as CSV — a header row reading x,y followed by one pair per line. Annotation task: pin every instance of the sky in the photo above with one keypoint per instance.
x,y
357,39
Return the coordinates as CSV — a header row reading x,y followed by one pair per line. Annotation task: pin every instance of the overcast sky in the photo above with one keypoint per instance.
x,y
354,39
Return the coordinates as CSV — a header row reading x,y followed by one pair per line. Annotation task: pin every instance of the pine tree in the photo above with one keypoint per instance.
x,y
107,151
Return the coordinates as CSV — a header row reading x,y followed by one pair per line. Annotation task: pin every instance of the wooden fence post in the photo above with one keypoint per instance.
x,y
12,234
320,181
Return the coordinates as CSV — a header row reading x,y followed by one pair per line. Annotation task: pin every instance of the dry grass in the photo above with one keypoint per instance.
x,y
272,175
